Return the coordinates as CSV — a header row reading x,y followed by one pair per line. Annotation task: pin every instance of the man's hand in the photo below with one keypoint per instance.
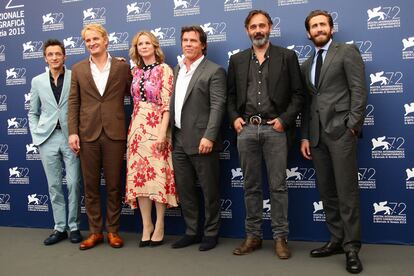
x,y
206,146
305,149
277,125
74,143
238,124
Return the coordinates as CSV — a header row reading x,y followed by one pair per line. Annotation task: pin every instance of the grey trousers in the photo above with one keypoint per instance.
x,y
255,144
204,169
336,167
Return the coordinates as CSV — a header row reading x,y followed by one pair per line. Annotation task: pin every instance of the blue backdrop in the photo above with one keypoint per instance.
x,y
381,30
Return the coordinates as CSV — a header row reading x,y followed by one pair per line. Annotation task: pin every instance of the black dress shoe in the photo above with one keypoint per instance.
x,y
186,240
75,236
353,263
208,243
327,250
56,237
156,243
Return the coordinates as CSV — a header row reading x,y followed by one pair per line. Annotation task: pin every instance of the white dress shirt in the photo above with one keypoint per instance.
x,y
100,77
183,80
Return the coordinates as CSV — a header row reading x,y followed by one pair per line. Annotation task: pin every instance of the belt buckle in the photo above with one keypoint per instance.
x,y
255,120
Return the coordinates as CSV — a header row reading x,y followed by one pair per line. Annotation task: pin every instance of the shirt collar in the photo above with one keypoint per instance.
x,y
192,65
61,74
108,61
267,53
325,47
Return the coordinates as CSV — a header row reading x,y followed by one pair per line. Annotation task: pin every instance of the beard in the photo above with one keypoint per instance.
x,y
319,40
260,39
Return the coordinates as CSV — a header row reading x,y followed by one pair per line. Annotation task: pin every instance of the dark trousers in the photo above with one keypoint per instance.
x,y
204,170
109,155
336,167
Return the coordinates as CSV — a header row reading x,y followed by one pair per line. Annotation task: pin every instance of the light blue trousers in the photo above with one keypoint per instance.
x,y
52,152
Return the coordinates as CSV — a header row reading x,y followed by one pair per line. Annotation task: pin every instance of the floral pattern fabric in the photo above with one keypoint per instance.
x,y
149,171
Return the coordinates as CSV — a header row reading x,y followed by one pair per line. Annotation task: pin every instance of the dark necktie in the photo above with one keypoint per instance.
x,y
318,67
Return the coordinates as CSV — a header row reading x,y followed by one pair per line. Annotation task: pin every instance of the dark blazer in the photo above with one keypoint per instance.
x,y
339,101
203,108
89,112
285,85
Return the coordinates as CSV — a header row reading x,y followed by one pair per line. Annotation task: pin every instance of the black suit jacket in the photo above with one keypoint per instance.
x,y
284,86
203,108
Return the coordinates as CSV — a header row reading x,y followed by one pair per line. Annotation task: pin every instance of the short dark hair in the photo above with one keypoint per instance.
x,y
53,42
253,13
201,34
316,13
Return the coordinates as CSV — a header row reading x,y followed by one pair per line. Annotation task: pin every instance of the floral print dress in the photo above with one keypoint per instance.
x,y
149,171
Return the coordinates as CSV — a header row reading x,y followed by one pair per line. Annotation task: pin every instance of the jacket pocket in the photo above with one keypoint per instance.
x,y
341,107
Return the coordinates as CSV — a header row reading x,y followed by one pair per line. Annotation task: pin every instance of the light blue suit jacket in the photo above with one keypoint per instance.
x,y
44,111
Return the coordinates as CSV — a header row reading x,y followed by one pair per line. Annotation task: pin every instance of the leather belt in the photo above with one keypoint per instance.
x,y
256,120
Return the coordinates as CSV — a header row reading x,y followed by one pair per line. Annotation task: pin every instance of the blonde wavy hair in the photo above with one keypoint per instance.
x,y
97,28
133,51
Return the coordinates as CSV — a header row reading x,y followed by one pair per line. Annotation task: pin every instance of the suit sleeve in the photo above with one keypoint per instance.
x,y
74,104
296,91
231,93
35,107
306,107
355,74
129,81
217,87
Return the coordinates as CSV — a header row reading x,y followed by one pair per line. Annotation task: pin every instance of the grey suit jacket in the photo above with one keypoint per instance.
x,y
203,108
338,103
44,111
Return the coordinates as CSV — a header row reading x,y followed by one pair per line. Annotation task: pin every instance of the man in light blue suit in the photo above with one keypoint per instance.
x,y
49,129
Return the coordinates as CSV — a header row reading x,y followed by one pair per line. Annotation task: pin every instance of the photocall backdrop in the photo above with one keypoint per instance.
x,y
382,30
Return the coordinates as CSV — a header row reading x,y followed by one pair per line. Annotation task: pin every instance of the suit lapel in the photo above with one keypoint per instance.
x,y
65,87
333,48
48,91
243,72
275,65
112,74
88,74
307,69
194,78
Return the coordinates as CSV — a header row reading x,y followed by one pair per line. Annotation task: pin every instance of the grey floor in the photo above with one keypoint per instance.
x,y
22,253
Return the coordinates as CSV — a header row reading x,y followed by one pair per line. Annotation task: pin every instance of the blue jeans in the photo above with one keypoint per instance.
x,y
256,143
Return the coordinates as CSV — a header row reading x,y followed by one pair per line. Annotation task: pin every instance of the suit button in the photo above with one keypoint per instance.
x,y
317,111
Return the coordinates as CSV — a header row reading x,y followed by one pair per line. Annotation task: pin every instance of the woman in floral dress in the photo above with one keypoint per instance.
x,y
150,176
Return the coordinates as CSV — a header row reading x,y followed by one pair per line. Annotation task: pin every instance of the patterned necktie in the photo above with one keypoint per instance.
x,y
318,67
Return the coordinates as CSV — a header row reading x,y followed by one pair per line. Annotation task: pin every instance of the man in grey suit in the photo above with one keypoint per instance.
x,y
334,78
197,109
264,98
49,129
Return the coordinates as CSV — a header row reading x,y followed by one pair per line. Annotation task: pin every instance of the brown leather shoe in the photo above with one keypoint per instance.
x,y
249,245
115,240
93,240
281,248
